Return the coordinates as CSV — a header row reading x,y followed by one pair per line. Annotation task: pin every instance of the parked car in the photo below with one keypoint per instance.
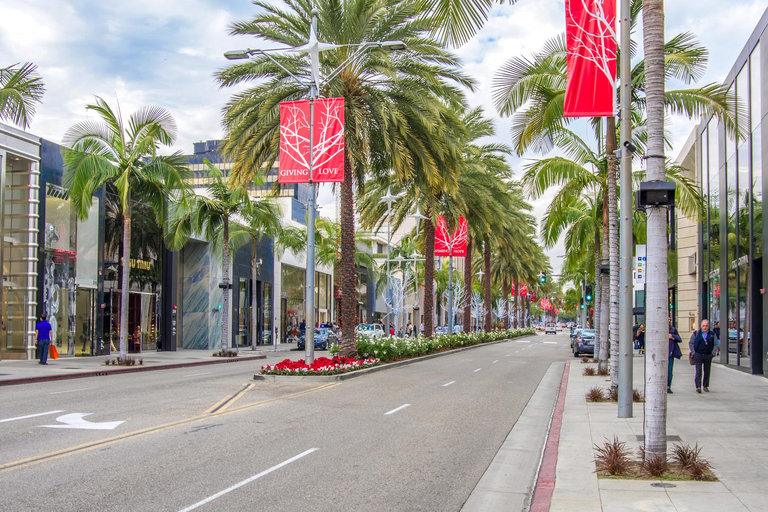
x,y
551,328
324,338
575,332
584,343
371,330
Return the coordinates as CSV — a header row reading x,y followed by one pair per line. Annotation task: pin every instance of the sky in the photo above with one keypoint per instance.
x,y
165,53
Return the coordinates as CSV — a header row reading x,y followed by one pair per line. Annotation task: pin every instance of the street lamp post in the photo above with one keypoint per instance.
x,y
313,49
625,231
479,275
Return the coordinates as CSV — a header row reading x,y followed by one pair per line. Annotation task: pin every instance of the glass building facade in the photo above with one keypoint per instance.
x,y
732,174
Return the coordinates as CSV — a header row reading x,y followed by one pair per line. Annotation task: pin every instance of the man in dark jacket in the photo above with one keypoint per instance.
x,y
674,352
702,345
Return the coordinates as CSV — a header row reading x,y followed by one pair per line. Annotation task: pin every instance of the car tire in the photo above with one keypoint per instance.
x,y
576,353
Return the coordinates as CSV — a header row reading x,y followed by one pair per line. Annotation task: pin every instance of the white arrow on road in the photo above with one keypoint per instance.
x,y
75,420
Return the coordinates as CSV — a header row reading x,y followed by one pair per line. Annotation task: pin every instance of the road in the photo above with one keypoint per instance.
x,y
418,437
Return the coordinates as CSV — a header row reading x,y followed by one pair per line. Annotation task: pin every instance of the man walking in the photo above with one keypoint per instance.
x,y
702,344
43,334
674,352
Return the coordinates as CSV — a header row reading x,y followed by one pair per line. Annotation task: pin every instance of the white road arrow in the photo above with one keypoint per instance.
x,y
75,420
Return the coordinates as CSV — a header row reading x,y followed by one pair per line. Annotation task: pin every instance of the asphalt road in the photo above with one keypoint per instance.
x,y
418,437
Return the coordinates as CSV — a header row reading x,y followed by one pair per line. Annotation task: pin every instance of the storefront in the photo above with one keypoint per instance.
x,y
732,247
19,202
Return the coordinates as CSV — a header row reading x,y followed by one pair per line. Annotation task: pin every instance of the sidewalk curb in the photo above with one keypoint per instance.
x,y
102,373
374,369
545,479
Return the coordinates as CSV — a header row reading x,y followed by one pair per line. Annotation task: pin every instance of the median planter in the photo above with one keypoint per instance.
x,y
392,348
391,351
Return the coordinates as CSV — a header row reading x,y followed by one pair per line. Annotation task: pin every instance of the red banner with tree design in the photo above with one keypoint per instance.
x,y
451,244
590,31
327,144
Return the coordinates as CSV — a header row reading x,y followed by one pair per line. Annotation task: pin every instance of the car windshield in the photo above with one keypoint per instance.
x,y
365,327
588,332
322,332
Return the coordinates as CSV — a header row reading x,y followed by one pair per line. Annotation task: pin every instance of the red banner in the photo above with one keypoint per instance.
x,y
447,244
591,37
523,290
327,144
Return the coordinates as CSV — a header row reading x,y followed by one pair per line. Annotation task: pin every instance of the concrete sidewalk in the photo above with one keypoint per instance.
x,y
14,371
729,424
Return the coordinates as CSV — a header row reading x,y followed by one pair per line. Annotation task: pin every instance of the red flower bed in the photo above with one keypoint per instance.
x,y
321,366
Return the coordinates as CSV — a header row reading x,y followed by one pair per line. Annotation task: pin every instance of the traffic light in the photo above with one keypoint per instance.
x,y
582,304
588,293
543,277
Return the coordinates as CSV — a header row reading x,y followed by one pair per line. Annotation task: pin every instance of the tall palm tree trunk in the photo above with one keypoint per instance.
x,y
254,292
468,287
656,279
429,276
596,302
613,249
506,298
487,276
605,315
227,291
126,278
347,265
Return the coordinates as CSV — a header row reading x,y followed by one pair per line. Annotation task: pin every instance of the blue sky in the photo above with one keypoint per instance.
x,y
165,53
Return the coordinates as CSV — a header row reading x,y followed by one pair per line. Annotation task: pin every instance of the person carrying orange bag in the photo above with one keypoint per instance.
x,y
43,333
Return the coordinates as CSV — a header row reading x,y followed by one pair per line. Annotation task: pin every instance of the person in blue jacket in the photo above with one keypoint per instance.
x,y
702,345
674,352
43,333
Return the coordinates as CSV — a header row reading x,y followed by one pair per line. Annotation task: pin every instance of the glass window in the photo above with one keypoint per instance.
x,y
730,139
704,181
756,91
714,220
293,283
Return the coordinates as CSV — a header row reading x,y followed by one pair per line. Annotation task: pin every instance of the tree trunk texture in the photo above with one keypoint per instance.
x,y
613,248
605,314
429,277
487,276
348,272
227,291
254,298
596,302
656,312
508,299
125,285
468,287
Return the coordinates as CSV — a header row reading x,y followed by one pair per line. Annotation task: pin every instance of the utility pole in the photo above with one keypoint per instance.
x,y
626,289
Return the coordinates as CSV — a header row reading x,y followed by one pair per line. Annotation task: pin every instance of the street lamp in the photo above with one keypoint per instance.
x,y
312,48
389,198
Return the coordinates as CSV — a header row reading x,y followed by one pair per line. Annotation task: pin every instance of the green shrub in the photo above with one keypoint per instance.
x,y
390,348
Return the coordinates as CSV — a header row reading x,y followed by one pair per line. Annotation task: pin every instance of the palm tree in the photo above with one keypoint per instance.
x,y
209,215
21,89
656,279
393,108
109,151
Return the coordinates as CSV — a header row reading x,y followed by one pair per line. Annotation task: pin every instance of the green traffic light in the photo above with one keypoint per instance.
x,y
582,306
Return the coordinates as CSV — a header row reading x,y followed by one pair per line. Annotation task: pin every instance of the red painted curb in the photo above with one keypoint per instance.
x,y
102,373
545,483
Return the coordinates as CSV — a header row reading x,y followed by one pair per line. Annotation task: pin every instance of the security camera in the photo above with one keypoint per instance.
x,y
630,147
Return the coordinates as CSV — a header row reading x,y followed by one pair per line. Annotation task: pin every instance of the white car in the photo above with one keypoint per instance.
x,y
370,330
551,328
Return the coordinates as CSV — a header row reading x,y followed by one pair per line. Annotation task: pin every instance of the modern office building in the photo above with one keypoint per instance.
x,y
730,261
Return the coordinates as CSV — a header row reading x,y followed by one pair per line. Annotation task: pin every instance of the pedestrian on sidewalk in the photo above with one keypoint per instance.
x,y
640,339
702,344
43,334
674,352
